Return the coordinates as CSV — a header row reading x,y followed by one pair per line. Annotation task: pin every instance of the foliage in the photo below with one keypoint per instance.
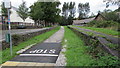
x,y
117,10
83,10
17,39
72,9
23,11
92,15
81,54
45,11
103,24
113,46
76,50
4,10
114,2
68,12
114,16
102,30
65,9
63,21
36,12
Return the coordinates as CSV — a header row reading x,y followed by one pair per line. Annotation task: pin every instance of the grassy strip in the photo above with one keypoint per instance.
x,y
37,39
91,33
103,30
0,56
113,46
76,51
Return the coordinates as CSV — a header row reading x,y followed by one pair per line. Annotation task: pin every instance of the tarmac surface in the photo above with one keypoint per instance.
x,y
43,54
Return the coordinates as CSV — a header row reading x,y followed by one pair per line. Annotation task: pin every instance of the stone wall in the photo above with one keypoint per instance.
x,y
96,42
17,38
5,27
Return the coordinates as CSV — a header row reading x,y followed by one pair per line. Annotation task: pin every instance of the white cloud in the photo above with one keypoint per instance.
x,y
95,5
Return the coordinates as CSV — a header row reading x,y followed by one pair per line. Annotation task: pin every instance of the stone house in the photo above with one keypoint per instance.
x,y
99,17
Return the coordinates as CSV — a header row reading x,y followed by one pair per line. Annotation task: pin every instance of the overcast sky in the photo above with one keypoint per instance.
x,y
95,5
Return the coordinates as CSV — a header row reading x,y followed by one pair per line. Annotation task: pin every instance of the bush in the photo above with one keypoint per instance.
x,y
16,39
103,24
114,16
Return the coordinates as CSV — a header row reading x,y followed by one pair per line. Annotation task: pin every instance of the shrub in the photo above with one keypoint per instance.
x,y
103,24
16,39
114,16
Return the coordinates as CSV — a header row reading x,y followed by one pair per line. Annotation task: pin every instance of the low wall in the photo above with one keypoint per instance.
x,y
5,27
17,38
96,43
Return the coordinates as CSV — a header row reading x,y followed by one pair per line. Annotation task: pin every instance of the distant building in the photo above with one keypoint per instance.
x,y
16,19
82,22
99,17
118,14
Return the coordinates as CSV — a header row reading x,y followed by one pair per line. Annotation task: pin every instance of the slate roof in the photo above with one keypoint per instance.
x,y
83,21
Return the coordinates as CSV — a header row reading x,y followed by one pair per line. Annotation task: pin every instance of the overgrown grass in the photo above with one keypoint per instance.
x,y
77,53
37,39
91,33
76,50
0,56
102,30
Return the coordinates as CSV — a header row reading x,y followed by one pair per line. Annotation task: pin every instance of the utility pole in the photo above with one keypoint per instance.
x,y
7,5
10,38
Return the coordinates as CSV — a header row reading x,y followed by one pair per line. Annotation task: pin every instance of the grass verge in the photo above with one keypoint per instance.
x,y
111,45
78,54
37,39
102,30
76,50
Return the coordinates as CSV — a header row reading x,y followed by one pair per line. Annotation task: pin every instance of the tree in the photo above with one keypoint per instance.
x,y
4,10
23,11
36,12
45,11
112,16
72,9
92,15
4,13
114,2
83,10
65,9
68,12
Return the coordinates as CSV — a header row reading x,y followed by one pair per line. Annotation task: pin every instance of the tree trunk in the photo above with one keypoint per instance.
x,y
45,23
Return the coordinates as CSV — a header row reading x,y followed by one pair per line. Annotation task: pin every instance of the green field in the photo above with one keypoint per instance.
x,y
37,39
